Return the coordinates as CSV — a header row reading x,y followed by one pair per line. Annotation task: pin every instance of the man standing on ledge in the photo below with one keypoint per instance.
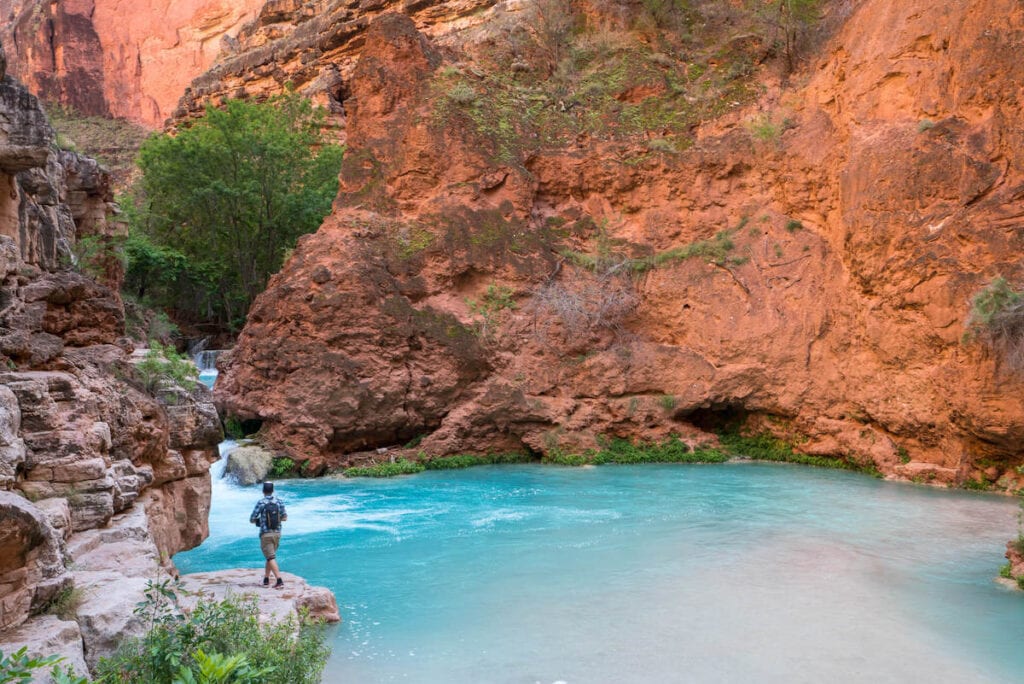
x,y
269,514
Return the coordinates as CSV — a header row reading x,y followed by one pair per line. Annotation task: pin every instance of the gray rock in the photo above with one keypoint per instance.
x,y
274,604
248,464
48,635
12,447
31,561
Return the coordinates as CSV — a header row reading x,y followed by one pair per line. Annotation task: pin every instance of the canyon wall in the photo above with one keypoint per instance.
x,y
470,289
100,482
115,58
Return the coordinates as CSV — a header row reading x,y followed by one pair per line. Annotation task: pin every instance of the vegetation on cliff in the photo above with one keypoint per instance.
x,y
217,641
20,668
222,203
997,318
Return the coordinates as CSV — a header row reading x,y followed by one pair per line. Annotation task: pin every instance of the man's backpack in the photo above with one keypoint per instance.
x,y
272,515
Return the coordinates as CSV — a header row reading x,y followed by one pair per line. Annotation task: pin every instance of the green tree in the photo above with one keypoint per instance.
x,y
230,194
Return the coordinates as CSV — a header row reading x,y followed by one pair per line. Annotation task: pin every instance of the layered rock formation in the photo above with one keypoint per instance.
x,y
114,58
95,473
312,47
469,288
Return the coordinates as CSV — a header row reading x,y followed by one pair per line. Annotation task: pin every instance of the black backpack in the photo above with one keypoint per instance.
x,y
272,515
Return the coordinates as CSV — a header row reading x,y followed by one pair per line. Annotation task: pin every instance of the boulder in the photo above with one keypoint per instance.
x,y
248,464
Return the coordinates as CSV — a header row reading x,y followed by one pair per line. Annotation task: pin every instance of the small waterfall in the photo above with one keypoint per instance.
x,y
206,362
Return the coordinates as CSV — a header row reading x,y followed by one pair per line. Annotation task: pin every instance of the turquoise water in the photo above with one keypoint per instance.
x,y
707,573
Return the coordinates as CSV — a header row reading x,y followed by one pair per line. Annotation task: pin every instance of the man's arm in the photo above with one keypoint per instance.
x,y
255,517
284,513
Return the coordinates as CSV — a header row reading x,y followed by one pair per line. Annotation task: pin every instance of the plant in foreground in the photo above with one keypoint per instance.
x,y
214,642
20,668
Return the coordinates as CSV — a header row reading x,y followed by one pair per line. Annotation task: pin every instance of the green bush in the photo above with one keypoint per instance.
x,y
163,368
470,460
997,318
19,668
1006,571
282,466
764,447
231,194
670,450
214,642
399,467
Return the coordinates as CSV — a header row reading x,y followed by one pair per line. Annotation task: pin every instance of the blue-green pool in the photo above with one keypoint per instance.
x,y
699,573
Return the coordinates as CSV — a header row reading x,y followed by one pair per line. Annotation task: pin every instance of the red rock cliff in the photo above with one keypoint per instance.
x,y
118,58
833,317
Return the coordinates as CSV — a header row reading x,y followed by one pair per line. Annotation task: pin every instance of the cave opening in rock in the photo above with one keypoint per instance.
x,y
718,418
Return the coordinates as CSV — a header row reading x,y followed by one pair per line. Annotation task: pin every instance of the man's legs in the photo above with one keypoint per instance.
x,y
268,544
271,568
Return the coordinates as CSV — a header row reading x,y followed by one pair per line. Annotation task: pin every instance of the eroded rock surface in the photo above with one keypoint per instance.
x,y
835,320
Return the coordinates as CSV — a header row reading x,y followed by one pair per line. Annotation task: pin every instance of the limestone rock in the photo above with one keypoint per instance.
x,y
112,567
178,515
274,604
48,635
31,563
12,447
248,464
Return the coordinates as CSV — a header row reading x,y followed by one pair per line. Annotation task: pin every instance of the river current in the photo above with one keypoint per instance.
x,y
738,572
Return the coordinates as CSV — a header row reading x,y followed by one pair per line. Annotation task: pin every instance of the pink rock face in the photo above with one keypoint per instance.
x,y
836,322
118,58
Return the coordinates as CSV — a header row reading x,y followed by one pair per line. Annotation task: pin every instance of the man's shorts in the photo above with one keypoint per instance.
x,y
268,544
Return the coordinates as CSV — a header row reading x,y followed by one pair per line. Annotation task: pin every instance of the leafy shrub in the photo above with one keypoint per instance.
x,y
764,129
715,250
471,460
213,639
671,450
764,447
19,668
1006,571
163,368
997,318
496,299
667,402
281,466
399,467
462,93
559,457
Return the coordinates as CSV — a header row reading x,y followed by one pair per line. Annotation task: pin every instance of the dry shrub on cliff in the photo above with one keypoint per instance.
x,y
586,305
997,318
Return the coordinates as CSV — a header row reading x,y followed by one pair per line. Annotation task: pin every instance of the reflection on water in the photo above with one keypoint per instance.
x,y
718,573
